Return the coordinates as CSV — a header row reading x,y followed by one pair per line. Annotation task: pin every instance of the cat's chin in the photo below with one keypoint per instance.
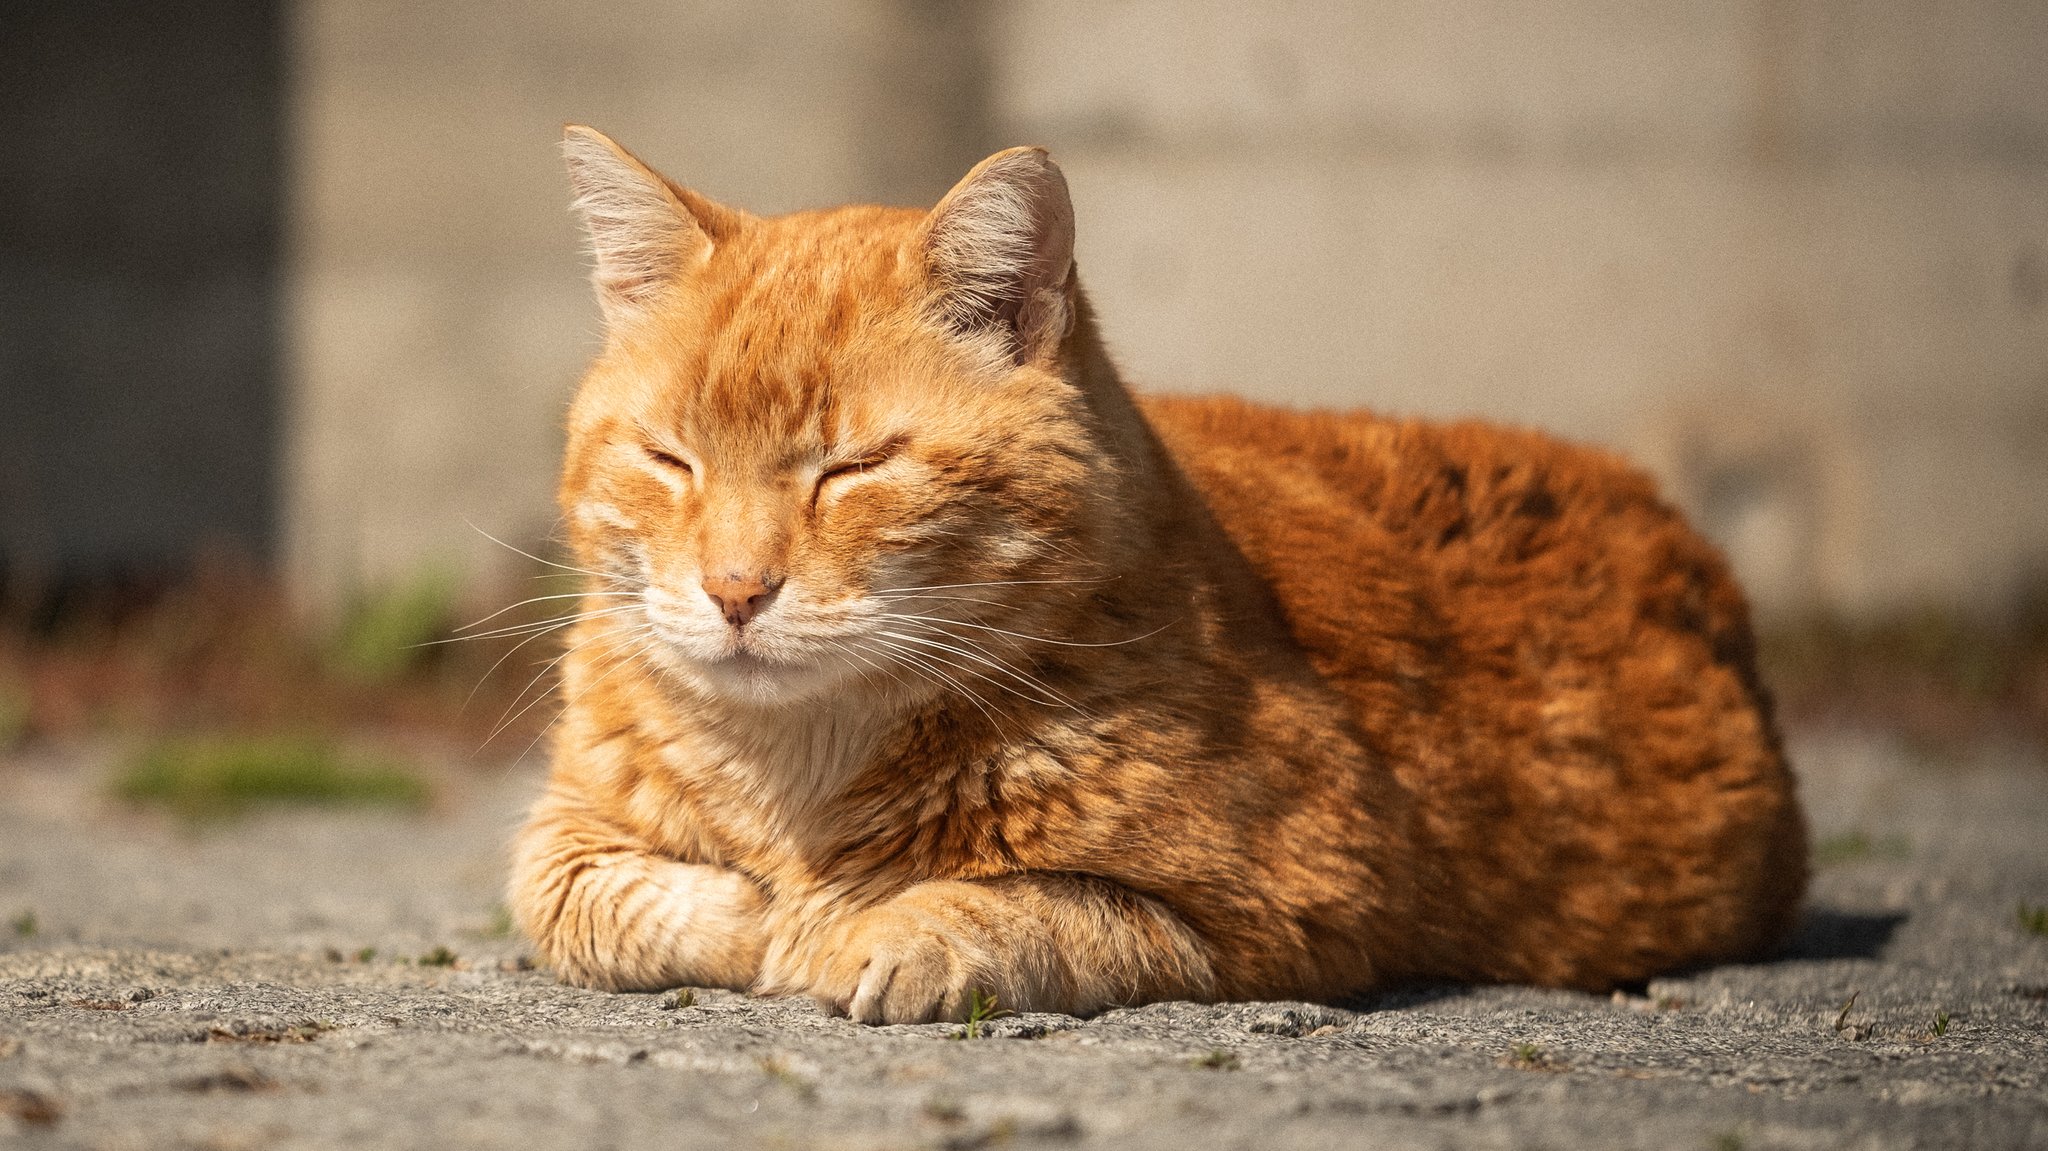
x,y
747,679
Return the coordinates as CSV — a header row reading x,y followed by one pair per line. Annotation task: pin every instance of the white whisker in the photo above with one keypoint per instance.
x,y
975,650
947,598
531,556
538,627
540,599
920,664
1020,635
500,662
855,652
572,701
539,675
1055,701
993,583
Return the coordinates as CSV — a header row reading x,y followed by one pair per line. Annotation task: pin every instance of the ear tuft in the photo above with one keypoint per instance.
x,y
999,250
643,230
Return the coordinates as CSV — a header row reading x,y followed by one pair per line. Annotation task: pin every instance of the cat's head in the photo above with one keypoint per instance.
x,y
832,452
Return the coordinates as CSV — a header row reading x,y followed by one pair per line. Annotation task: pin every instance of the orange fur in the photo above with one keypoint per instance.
x,y
925,661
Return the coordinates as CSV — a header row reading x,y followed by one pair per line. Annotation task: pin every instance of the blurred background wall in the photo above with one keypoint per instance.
x,y
439,312
1791,253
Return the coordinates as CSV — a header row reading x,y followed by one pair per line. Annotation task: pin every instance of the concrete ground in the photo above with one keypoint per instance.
x,y
259,984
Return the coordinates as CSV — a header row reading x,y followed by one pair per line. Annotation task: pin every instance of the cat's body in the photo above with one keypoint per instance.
x,y
930,665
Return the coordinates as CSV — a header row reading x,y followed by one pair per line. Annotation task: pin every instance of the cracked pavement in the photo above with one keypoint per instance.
x,y
261,984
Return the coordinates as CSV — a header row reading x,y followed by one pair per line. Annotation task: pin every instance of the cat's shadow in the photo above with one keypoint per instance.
x,y
1827,933
1823,933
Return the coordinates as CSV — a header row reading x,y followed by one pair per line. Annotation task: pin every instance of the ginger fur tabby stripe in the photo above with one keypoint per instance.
x,y
919,659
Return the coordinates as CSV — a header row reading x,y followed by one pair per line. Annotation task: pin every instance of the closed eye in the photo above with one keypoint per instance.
x,y
852,469
857,467
668,460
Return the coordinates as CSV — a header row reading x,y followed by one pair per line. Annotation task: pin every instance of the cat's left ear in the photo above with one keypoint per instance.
x,y
999,251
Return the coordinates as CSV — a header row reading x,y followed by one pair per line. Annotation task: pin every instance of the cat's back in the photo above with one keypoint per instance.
x,y
1535,642
1458,559
1450,514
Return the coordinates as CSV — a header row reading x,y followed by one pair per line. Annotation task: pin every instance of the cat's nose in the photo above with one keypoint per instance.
x,y
740,598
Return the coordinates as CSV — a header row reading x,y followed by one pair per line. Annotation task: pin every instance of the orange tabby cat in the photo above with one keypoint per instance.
x,y
919,661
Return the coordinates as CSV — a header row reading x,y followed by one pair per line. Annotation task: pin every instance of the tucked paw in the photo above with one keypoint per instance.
x,y
898,964
632,922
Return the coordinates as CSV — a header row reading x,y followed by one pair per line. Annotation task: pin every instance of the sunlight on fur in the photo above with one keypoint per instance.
x,y
918,661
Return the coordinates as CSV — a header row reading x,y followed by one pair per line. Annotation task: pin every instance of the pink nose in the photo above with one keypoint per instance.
x,y
740,598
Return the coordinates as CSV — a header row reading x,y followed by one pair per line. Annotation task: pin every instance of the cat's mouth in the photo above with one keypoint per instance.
x,y
738,668
744,662
736,654
743,674
748,663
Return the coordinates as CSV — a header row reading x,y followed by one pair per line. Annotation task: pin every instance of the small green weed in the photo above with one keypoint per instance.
x,y
500,926
388,634
1853,846
781,1072
1528,1056
366,955
219,777
25,925
1940,1027
679,999
1219,1059
1843,1027
2032,920
438,957
981,1008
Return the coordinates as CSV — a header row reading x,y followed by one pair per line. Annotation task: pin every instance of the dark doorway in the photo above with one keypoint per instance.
x,y
140,208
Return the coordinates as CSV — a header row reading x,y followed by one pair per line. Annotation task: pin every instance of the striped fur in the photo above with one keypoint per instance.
x,y
1045,693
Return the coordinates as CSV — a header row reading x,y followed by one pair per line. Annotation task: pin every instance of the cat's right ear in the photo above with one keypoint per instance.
x,y
645,231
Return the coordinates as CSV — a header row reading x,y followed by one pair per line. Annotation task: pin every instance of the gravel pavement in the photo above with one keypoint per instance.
x,y
261,984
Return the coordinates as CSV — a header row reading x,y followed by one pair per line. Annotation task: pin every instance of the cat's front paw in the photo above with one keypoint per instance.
x,y
636,922
902,963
